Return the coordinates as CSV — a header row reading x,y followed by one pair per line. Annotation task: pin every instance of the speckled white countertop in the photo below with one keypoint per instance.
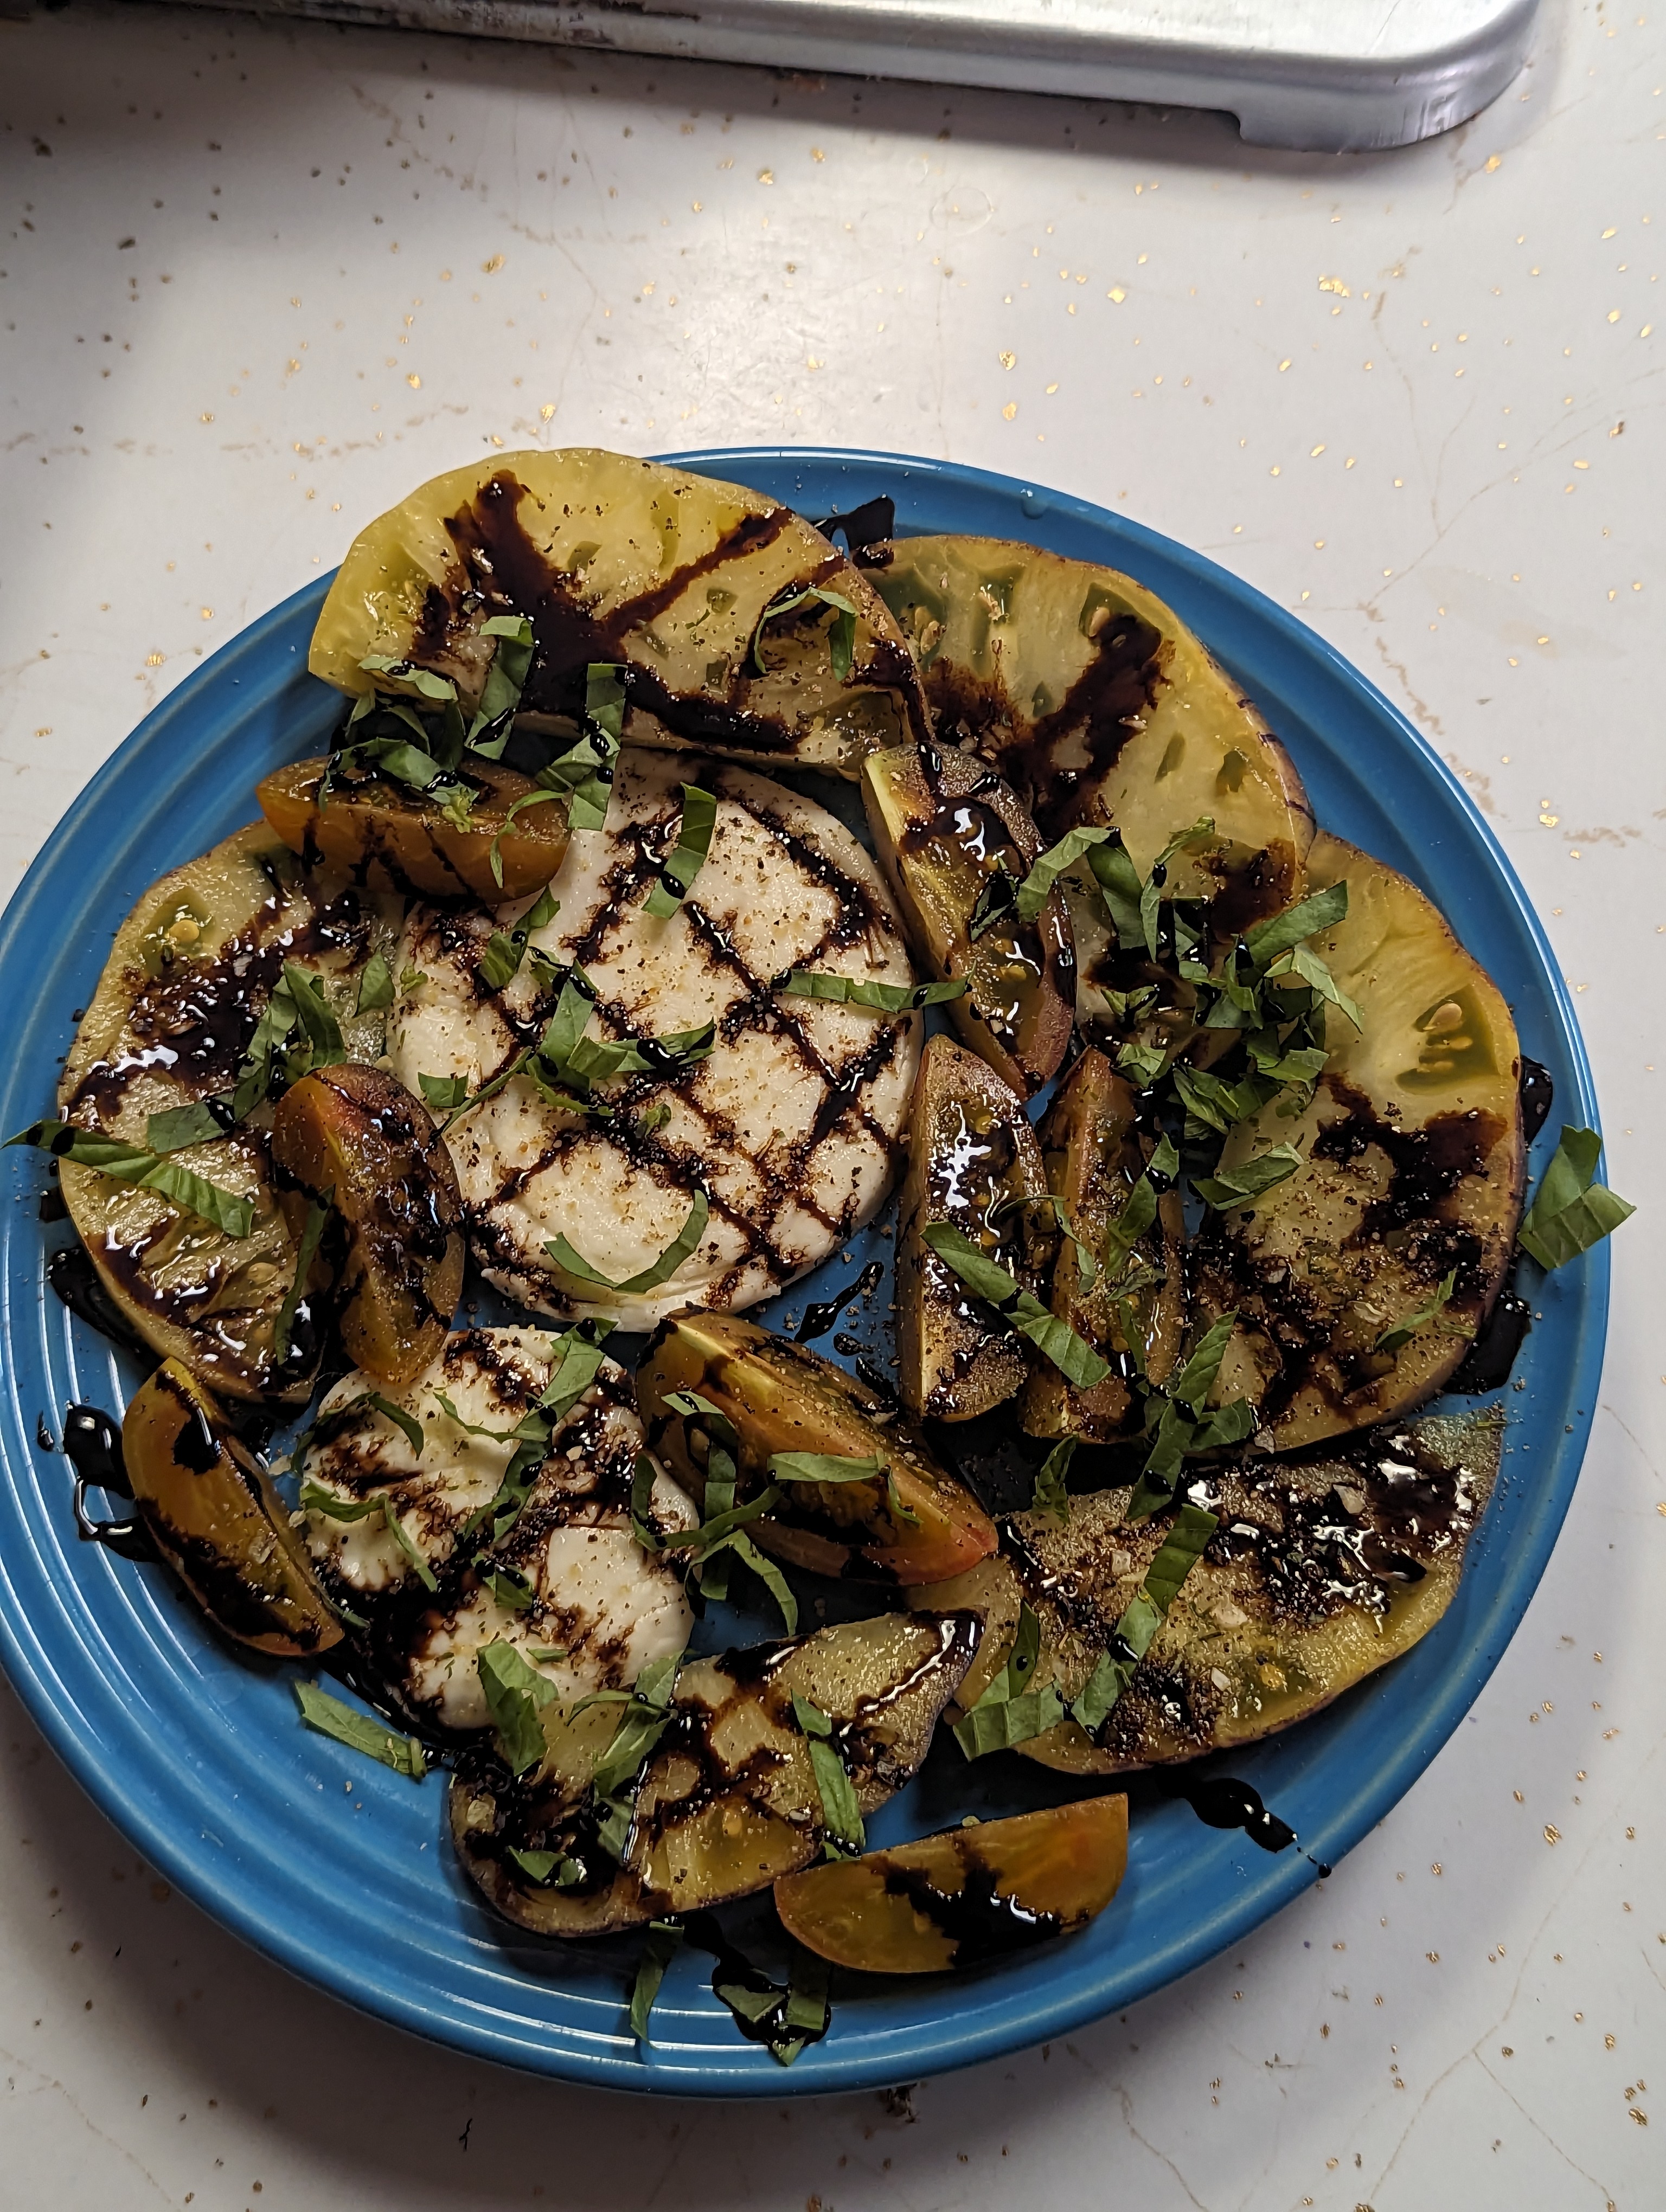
x,y
260,278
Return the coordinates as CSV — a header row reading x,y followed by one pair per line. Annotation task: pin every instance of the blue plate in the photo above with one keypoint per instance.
x,y
195,1753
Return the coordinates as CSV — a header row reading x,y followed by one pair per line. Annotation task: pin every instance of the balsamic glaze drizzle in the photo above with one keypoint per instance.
x,y
820,1317
92,1444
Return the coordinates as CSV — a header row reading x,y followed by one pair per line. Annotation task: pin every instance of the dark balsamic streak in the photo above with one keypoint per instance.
x,y
820,1317
1538,1092
976,1919
1223,1801
92,1444
870,523
1487,1362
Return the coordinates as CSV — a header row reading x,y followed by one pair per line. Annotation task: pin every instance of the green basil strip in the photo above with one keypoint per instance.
x,y
223,1209
858,991
684,861
443,1092
1142,1063
1281,932
315,1499
998,1727
516,1695
604,713
499,963
422,681
1076,1361
842,637
660,1945
721,1474
542,1868
1400,1332
511,1590
806,2011
1197,1377
692,1406
375,985
1312,971
1033,891
1119,887
196,1124
318,1024
573,1263
506,679
579,1354
516,806
770,1576
360,1732
823,1467
317,1215
1136,1632
840,1813
716,1528
1051,1496
645,1719
1251,1179
1571,1211
1010,1712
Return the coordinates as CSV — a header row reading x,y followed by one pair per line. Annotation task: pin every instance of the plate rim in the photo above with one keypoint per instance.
x,y
1046,2011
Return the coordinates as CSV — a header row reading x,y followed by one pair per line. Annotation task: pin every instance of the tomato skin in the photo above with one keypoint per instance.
x,y
779,1396
968,1894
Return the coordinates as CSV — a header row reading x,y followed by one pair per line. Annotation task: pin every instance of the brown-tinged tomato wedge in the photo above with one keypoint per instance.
x,y
783,1397
969,1894
389,837
353,1139
213,1514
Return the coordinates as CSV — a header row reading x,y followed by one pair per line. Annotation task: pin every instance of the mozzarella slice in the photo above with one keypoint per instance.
x,y
601,1608
794,1123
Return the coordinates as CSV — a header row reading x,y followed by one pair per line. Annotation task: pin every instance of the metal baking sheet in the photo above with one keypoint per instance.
x,y
1324,75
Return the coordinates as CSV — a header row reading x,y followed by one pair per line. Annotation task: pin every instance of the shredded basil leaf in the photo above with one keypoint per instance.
x,y
442,1093
375,985
1251,1179
499,963
770,1576
663,1941
841,1815
721,1476
1136,1632
511,1591
1076,1360
317,1214
858,991
1032,892
422,681
792,2017
196,1124
684,861
823,1467
315,1499
1009,1712
1571,1211
604,715
517,1694
1192,1386
841,637
1400,1334
223,1209
359,1731
573,1263
489,732
1050,1495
